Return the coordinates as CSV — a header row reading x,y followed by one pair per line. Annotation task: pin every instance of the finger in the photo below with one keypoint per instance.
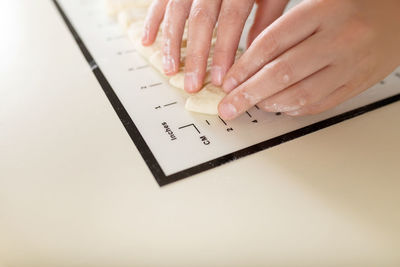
x,y
231,22
267,12
339,96
293,66
306,92
363,79
153,20
287,31
202,20
174,25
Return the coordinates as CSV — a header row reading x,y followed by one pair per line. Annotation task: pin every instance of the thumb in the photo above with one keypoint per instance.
x,y
267,12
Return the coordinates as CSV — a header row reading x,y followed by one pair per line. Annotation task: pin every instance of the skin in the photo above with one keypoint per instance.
x,y
311,59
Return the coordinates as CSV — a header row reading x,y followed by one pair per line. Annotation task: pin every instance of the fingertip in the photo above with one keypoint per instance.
x,y
227,110
229,84
146,42
169,65
146,37
171,73
192,82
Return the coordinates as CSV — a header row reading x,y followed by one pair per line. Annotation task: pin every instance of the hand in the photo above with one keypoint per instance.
x,y
314,57
202,17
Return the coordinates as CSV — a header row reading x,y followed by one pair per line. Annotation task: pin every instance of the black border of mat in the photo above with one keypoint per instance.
x,y
148,156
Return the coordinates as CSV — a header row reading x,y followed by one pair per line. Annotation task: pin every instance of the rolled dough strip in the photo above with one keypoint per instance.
x,y
178,80
134,34
115,6
156,60
128,16
206,101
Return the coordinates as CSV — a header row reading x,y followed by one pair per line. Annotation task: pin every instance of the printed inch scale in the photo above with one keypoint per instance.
x,y
176,143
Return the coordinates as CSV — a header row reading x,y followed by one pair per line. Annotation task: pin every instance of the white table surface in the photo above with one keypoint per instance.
x,y
74,191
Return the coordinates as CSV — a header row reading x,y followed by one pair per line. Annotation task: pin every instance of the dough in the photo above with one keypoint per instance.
x,y
206,101
115,6
156,59
135,35
128,16
178,80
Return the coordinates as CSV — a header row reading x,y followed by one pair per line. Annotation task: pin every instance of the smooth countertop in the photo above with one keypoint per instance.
x,y
74,191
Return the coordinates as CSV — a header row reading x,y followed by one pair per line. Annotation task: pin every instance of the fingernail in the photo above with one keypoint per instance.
x,y
217,75
230,84
191,82
168,64
228,111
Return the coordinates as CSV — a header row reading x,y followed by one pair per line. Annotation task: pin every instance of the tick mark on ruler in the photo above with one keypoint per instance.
x,y
155,84
151,85
170,104
138,68
189,125
120,53
257,107
222,120
142,67
106,24
230,129
248,114
118,37
208,122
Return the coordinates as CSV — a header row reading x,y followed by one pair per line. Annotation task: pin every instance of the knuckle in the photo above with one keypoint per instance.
x,y
238,73
177,6
201,15
282,72
303,97
361,29
233,14
265,105
351,85
195,59
222,52
173,5
270,45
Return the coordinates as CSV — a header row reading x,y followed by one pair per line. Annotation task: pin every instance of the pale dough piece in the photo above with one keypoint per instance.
x,y
156,59
151,53
128,16
134,34
206,101
178,80
115,6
